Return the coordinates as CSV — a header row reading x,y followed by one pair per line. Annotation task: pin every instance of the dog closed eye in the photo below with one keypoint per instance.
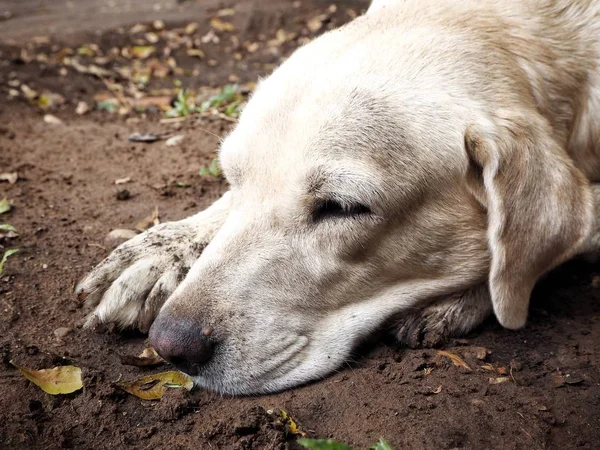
x,y
332,209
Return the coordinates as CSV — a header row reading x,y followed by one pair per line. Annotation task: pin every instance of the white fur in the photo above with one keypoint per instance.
x,y
376,113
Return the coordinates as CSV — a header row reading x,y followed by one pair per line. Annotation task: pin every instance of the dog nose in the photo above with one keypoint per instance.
x,y
182,342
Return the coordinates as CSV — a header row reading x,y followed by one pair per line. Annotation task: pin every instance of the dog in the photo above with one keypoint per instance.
x,y
416,169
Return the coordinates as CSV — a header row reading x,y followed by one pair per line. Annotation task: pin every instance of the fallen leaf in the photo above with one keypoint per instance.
x,y
147,358
153,387
7,254
498,380
11,177
501,370
572,380
174,140
4,206
58,380
195,52
290,425
138,28
148,222
456,360
225,12
142,51
191,28
52,120
220,25
438,389
143,137
123,180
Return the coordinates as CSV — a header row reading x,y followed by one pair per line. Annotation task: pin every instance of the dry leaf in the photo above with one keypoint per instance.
x,y
220,25
148,222
122,180
499,380
290,424
191,28
501,370
142,51
59,380
438,389
147,358
225,12
488,367
174,140
456,360
153,387
11,177
195,52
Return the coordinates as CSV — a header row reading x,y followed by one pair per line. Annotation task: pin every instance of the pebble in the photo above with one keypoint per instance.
x,y
52,120
62,332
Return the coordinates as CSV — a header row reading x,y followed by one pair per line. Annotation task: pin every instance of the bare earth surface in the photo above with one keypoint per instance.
x,y
65,202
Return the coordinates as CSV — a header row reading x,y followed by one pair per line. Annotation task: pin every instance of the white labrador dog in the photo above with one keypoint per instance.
x,y
419,167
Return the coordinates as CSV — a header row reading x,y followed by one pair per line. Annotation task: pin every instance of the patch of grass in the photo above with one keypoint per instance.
x,y
229,99
212,170
330,444
6,255
181,106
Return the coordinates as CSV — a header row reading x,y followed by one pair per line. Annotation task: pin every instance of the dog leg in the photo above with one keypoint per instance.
x,y
455,315
130,286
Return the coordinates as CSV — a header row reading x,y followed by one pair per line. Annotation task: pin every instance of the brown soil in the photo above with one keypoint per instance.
x,y
65,202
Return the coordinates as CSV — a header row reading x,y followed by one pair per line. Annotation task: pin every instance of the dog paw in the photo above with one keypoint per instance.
x,y
450,317
130,286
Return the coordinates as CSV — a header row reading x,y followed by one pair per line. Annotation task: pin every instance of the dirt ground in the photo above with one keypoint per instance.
x,y
66,201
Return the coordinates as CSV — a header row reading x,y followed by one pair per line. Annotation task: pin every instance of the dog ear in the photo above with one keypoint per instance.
x,y
538,203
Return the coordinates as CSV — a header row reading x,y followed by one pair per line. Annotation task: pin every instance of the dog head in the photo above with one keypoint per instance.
x,y
361,187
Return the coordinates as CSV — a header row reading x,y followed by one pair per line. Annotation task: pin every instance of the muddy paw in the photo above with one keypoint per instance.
x,y
449,317
129,287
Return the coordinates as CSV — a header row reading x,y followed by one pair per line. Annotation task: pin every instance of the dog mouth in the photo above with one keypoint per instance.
x,y
267,372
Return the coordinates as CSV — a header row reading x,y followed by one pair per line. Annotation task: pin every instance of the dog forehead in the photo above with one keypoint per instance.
x,y
318,126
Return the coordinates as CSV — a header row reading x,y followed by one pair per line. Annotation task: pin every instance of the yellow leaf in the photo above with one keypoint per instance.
x,y
499,380
59,380
220,25
153,387
142,51
456,360
290,424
